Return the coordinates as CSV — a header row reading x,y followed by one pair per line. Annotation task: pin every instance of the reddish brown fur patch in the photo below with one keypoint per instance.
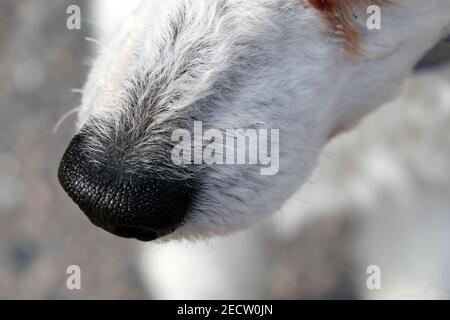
x,y
341,18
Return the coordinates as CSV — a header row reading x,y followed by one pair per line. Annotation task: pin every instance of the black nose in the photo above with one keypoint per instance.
x,y
130,205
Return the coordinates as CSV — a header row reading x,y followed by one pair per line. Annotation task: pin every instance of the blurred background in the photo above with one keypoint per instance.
x,y
41,232
380,197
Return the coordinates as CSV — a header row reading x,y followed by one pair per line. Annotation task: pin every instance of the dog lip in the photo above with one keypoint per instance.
x,y
133,232
138,233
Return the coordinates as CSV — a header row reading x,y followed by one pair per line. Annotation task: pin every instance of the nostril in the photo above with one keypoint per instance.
x,y
127,204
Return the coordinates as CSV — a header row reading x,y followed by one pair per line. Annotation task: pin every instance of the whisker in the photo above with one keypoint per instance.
x,y
95,41
77,90
64,118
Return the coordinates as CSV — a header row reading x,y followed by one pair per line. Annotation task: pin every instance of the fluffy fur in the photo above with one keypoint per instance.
x,y
389,179
245,64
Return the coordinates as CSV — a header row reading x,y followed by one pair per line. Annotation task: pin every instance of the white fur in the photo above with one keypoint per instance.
x,y
391,174
298,80
307,89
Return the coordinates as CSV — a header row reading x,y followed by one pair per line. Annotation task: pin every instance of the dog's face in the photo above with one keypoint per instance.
x,y
263,65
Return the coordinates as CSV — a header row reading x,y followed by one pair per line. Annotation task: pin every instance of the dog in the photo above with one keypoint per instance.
x,y
308,68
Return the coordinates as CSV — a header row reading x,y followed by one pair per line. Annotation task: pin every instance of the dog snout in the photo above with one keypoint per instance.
x,y
130,205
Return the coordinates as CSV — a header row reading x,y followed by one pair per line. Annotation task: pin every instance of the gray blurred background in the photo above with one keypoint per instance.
x,y
380,195
41,232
